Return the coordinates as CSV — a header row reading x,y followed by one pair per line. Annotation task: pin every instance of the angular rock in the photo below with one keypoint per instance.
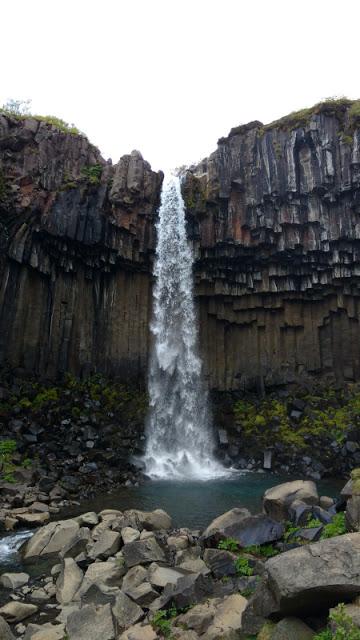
x,y
106,545
89,519
69,581
77,544
156,520
277,500
221,563
161,575
135,576
126,612
143,594
91,623
246,529
51,538
311,578
143,552
129,534
187,591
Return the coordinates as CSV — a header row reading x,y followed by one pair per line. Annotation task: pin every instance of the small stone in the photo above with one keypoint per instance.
x,y
129,534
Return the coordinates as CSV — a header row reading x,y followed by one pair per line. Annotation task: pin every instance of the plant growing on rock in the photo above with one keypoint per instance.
x,y
7,450
229,544
336,527
342,625
243,567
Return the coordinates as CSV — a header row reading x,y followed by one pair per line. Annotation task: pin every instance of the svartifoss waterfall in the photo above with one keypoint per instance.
x,y
179,435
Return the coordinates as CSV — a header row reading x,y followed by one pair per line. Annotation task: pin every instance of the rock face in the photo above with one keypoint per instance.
x,y
274,217
75,238
274,214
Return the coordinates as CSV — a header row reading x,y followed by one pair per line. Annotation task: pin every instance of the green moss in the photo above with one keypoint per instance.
x,y
92,173
297,119
336,527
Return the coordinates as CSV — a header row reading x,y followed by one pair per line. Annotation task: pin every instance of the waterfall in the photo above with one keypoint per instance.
x,y
179,433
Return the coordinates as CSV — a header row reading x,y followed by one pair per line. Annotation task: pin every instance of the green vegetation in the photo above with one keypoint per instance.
x,y
92,173
336,527
243,567
335,106
229,544
162,619
329,414
20,109
264,550
7,467
344,628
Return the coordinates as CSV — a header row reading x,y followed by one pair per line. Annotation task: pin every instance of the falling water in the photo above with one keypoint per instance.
x,y
179,434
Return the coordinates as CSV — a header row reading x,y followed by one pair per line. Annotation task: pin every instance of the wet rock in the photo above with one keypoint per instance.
x,y
278,499
14,580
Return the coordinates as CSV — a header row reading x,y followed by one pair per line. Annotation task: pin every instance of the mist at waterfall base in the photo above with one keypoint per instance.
x,y
179,432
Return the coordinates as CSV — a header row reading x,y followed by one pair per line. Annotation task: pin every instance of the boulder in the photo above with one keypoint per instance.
x,y
216,618
51,538
91,623
14,580
187,591
5,631
143,594
352,515
106,545
310,578
44,632
245,528
277,500
139,632
161,575
129,534
135,576
109,573
221,563
33,519
89,519
142,552
156,520
77,544
17,611
126,612
292,629
68,582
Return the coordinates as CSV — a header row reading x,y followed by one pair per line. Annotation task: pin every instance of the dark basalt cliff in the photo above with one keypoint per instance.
x,y
274,214
76,232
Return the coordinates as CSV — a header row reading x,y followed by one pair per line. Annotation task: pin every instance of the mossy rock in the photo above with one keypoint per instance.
x,y
266,631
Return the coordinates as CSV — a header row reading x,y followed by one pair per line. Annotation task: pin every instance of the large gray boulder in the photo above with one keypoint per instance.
x,y
91,622
107,545
277,500
292,629
216,618
51,539
142,552
310,578
245,528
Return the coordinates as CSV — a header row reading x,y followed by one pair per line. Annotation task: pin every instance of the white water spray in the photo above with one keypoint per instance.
x,y
179,434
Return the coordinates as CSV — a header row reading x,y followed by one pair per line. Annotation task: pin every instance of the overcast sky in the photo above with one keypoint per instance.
x,y
169,77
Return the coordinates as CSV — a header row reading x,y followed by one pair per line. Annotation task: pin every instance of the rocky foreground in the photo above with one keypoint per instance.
x,y
131,576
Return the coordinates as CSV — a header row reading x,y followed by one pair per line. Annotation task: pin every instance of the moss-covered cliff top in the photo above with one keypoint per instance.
x,y
345,110
53,121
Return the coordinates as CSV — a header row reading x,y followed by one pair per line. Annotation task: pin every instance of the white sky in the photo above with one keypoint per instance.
x,y
169,78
